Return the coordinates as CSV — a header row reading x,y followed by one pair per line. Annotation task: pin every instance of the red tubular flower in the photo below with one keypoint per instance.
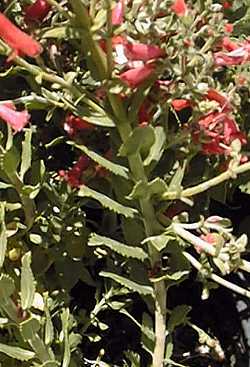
x,y
74,176
134,77
218,130
37,12
17,120
142,52
238,53
74,125
118,13
180,104
214,95
21,43
179,7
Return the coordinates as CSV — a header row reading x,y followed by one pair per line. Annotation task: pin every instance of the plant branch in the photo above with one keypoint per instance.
x,y
204,186
203,245
225,283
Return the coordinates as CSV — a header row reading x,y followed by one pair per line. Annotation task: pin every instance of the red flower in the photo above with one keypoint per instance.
x,y
37,11
217,131
145,113
134,77
229,28
118,13
180,104
214,95
142,52
21,43
74,176
179,7
17,120
74,124
226,5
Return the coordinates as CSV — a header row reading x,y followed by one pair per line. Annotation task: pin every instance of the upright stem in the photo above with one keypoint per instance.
x,y
151,228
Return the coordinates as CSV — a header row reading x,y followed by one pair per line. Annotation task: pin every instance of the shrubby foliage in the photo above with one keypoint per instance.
x,y
119,123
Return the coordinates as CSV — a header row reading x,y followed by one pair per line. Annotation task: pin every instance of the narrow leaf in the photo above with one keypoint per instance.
x,y
26,154
3,234
178,316
120,248
157,148
107,202
27,282
65,329
116,169
134,287
16,352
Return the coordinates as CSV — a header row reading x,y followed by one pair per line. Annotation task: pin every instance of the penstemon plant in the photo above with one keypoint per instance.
x,y
119,123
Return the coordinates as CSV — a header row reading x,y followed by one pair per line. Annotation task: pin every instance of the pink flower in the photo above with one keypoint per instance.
x,y
142,52
17,120
179,7
180,104
216,131
134,77
21,43
118,13
74,176
237,54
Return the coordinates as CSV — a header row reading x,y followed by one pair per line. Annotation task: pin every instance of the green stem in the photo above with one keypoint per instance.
x,y
204,186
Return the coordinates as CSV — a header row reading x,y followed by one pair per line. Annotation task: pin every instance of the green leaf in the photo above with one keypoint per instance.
x,y
31,191
3,234
11,161
96,119
63,32
16,352
7,287
134,287
175,277
26,154
147,336
4,185
65,330
29,328
27,282
35,238
157,148
107,202
178,317
116,169
175,183
141,139
142,189
49,329
120,248
159,242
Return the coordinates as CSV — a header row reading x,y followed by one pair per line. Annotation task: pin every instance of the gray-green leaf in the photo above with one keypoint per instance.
x,y
116,169
133,286
27,282
120,248
16,352
107,202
